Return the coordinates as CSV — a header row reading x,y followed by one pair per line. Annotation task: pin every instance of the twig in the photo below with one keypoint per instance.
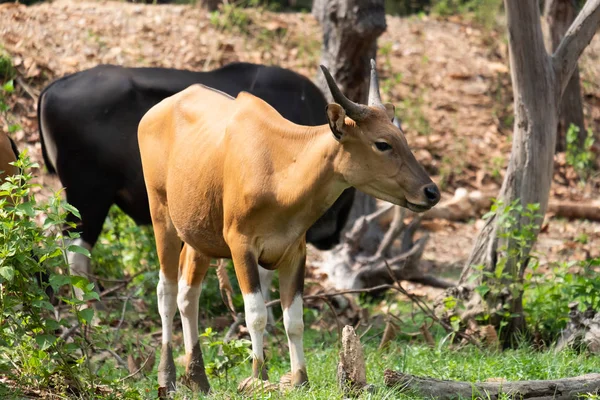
x,y
119,359
131,375
118,327
333,294
428,311
239,320
28,89
66,334
337,320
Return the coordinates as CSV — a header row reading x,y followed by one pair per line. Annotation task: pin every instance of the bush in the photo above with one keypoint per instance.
x,y
30,352
581,158
548,295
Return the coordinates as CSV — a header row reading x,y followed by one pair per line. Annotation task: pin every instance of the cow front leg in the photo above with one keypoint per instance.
x,y
246,270
192,270
291,288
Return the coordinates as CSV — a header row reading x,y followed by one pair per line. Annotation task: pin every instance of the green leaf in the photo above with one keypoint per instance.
x,y
482,290
56,281
72,210
7,273
86,315
78,249
27,208
9,86
43,304
79,282
91,295
45,341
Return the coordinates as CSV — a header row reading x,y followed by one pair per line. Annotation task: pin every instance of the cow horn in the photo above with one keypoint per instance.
x,y
353,110
374,97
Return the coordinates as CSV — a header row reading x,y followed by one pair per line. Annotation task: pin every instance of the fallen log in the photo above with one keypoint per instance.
x,y
468,205
567,388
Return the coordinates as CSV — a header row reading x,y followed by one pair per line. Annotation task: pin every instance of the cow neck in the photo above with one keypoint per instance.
x,y
317,180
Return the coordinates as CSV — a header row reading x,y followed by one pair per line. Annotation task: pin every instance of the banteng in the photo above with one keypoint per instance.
x,y
232,178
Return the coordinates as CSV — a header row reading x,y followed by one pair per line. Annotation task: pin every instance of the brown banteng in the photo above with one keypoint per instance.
x,y
234,179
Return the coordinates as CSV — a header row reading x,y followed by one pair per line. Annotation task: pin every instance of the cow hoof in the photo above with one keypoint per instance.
x,y
195,377
166,370
290,380
252,386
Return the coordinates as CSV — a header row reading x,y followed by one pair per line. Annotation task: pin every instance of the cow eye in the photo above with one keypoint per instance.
x,y
383,146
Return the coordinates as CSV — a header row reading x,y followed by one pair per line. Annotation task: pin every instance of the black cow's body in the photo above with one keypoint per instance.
x,y
89,120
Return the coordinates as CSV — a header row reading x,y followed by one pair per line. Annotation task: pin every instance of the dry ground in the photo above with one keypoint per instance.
x,y
449,80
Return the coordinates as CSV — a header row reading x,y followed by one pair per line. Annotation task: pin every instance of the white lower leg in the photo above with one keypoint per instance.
x,y
266,279
80,264
294,327
187,301
256,321
167,305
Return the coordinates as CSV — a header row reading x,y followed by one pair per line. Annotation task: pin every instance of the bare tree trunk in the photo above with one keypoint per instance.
x,y
538,83
350,32
210,5
559,15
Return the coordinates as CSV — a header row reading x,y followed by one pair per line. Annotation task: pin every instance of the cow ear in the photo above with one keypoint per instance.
x,y
336,116
390,110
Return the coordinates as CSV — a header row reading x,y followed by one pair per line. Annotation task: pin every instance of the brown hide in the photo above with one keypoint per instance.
x,y
234,179
7,155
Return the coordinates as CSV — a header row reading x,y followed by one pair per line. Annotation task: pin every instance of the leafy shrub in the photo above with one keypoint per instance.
x,y
483,11
581,158
549,293
30,352
226,355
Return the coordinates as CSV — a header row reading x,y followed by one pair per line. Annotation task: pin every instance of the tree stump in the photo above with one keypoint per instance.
x,y
352,370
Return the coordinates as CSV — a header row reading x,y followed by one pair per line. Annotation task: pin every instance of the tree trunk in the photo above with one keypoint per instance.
x,y
559,15
350,32
210,5
538,83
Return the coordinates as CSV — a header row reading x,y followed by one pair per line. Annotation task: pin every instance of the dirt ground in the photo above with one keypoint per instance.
x,y
449,80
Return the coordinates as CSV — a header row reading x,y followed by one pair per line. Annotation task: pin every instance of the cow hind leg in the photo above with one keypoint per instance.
x,y
192,269
168,247
266,280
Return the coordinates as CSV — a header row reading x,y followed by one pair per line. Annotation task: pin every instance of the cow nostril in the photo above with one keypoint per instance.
x,y
432,193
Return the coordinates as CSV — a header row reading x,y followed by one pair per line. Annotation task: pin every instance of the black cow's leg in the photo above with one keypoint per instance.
x,y
93,205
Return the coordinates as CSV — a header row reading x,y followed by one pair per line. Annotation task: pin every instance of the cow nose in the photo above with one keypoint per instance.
x,y
432,194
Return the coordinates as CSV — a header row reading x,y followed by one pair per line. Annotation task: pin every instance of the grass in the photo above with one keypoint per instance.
x,y
443,362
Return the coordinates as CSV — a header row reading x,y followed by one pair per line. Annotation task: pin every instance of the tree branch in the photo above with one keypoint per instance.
x,y
575,41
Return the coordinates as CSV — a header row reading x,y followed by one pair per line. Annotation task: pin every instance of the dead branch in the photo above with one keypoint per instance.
x,y
238,320
421,304
575,41
567,388
152,356
396,228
